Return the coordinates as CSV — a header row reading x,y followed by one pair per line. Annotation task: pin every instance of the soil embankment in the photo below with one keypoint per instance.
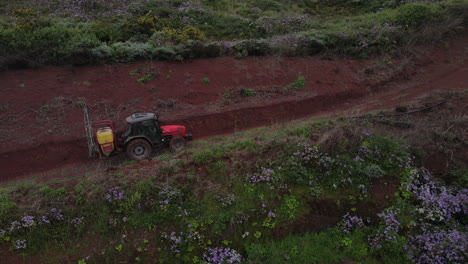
x,y
41,122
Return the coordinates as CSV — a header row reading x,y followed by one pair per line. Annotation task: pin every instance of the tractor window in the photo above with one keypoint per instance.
x,y
156,123
129,130
150,129
148,123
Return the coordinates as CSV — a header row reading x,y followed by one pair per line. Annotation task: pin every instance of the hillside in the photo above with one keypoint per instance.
x,y
34,33
324,131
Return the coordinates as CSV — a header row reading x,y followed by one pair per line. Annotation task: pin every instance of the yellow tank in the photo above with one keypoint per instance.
x,y
105,138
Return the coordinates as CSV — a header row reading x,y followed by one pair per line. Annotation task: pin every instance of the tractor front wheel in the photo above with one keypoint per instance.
x,y
139,149
177,144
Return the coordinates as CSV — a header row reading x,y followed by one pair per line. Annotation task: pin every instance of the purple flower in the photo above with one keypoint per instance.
x,y
367,132
115,194
242,219
264,176
358,158
27,221
163,203
349,223
391,226
44,220
271,214
227,200
20,244
222,255
176,240
56,214
15,225
435,202
77,221
434,245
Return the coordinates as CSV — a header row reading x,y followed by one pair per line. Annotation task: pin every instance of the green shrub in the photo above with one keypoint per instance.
x,y
299,83
188,33
252,48
130,51
26,19
247,92
290,207
102,52
309,46
6,207
205,80
146,79
80,49
165,53
413,14
216,169
225,27
50,194
208,155
374,171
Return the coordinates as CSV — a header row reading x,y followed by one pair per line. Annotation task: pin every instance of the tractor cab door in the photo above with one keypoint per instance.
x,y
151,130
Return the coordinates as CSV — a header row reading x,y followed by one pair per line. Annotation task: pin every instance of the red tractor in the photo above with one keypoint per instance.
x,y
144,132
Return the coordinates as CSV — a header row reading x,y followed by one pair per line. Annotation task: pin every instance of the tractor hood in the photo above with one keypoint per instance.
x,y
173,130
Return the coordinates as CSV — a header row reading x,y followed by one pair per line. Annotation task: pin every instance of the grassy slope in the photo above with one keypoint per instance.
x,y
259,193
178,30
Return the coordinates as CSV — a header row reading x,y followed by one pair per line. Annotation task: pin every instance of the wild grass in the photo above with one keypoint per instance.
x,y
175,30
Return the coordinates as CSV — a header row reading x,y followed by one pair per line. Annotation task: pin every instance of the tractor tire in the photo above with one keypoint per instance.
x,y
139,149
177,144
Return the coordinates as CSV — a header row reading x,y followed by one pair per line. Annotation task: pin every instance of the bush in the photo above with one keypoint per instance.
x,y
196,49
165,53
299,83
129,51
80,49
102,52
247,92
26,19
225,27
413,14
188,33
252,48
374,171
6,207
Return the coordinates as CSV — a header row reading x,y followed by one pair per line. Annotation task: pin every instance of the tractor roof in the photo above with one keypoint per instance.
x,y
138,117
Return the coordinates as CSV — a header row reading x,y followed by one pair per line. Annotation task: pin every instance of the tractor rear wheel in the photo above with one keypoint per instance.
x,y
139,149
177,144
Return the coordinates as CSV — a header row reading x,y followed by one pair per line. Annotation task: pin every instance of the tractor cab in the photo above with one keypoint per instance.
x,y
144,125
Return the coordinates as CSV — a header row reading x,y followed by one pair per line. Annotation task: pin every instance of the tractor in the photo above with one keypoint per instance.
x,y
144,132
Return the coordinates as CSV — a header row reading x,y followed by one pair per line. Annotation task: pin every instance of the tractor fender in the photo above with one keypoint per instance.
x,y
127,140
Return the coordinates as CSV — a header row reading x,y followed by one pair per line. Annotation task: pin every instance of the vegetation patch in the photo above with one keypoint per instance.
x,y
33,34
264,195
247,92
146,79
299,83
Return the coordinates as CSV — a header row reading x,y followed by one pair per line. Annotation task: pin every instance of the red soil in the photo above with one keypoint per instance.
x,y
41,124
